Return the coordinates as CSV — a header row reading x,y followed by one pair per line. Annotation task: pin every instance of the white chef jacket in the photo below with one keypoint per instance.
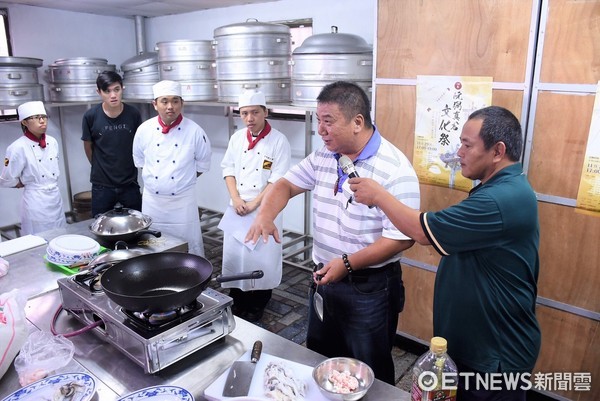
x,y
268,161
38,169
169,164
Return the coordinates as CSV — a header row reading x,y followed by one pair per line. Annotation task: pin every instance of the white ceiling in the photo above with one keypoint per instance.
x,y
131,8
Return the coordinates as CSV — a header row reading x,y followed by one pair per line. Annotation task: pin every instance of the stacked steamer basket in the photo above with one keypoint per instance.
x,y
74,79
192,64
253,55
139,74
326,58
19,81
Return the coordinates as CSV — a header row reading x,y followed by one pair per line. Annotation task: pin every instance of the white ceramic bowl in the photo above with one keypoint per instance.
x,y
363,373
71,249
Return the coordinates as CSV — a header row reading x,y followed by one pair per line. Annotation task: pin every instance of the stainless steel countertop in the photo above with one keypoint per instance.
x,y
115,374
29,272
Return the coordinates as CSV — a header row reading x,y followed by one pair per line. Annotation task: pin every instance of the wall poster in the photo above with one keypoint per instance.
x,y
443,105
588,195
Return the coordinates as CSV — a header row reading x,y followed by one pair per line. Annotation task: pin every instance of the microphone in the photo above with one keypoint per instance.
x,y
348,167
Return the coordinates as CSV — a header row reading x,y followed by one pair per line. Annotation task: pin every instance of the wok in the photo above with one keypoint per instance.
x,y
161,282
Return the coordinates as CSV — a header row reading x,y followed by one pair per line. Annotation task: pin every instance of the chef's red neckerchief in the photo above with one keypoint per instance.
x,y
253,141
41,140
167,128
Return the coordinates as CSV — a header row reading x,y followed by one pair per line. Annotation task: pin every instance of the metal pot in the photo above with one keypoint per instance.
x,y
140,62
73,92
252,39
241,68
275,90
122,224
119,254
204,91
188,70
138,90
15,94
76,73
325,58
185,50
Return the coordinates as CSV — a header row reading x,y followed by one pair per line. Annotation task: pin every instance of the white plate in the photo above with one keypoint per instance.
x,y
160,393
46,388
71,248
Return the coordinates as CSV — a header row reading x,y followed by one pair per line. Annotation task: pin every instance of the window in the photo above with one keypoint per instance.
x,y
5,51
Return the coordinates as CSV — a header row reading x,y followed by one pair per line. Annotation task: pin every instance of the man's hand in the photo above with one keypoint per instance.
x,y
262,227
366,190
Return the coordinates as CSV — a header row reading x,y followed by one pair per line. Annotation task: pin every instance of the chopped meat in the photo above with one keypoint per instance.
x,y
343,382
281,384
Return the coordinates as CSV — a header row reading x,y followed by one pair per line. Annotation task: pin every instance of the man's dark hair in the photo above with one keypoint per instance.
x,y
106,79
350,98
500,125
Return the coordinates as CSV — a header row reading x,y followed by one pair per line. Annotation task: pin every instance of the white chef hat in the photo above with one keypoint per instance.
x,y
252,97
166,88
31,109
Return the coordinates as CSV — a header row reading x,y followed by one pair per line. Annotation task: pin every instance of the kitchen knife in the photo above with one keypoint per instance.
x,y
240,375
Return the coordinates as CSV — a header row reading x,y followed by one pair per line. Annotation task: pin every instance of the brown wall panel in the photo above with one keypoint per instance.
x,y
560,133
570,343
571,46
569,256
417,317
432,37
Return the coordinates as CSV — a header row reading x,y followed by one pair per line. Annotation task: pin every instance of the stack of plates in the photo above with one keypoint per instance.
x,y
72,249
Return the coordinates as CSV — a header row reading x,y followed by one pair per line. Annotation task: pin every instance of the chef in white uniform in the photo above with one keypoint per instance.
x,y
32,163
172,151
257,156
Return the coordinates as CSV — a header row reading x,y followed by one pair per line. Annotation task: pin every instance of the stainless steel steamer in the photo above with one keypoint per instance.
x,y
192,63
19,81
325,58
256,55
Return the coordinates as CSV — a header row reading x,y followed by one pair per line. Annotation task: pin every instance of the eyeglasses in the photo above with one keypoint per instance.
x,y
38,117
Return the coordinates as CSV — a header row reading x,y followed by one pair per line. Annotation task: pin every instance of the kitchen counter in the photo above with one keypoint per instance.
x,y
29,272
117,376
114,373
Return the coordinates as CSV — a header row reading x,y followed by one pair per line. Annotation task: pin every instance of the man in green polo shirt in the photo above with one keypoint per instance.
x,y
486,285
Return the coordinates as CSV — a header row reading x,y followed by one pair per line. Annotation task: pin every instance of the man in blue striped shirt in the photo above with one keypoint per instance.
x,y
358,246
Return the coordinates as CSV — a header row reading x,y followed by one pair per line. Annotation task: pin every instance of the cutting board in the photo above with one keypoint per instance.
x,y
20,244
214,392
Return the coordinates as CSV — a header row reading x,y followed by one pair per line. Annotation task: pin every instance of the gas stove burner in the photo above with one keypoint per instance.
x,y
89,280
150,321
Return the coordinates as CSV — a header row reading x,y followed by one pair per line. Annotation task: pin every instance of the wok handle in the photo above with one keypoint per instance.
x,y
243,276
157,234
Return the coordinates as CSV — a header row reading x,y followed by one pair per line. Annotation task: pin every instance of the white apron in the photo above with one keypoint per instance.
x,y
238,258
41,209
177,216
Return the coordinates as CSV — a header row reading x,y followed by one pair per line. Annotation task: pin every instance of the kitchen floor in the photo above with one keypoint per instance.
x,y
287,310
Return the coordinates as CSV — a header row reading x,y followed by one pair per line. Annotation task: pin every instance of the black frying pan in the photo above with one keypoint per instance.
x,y
160,282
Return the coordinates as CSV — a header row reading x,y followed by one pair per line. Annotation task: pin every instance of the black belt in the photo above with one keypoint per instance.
x,y
363,275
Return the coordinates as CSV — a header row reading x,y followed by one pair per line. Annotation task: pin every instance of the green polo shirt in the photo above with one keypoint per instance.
x,y
486,284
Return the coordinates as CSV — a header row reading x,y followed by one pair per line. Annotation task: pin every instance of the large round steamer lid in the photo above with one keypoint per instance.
x,y
20,62
81,61
140,61
251,26
333,42
120,220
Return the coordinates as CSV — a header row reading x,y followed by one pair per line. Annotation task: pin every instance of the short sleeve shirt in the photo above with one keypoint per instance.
x,y
486,284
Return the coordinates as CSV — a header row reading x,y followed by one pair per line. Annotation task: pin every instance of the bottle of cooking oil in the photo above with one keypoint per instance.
x,y
434,375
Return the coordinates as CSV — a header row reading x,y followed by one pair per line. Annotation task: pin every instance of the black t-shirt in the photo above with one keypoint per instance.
x,y
112,139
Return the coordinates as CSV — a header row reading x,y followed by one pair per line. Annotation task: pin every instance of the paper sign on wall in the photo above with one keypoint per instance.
x,y
443,105
588,196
